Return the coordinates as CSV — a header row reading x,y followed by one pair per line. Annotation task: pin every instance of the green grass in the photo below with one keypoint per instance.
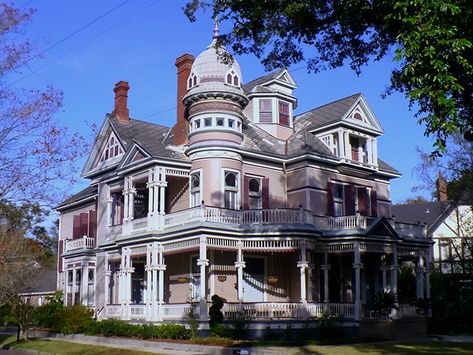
x,y
65,347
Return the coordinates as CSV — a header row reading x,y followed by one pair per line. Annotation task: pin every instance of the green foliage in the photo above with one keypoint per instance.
x,y
406,281
75,319
112,327
384,301
328,325
216,316
216,341
239,321
193,318
49,314
432,41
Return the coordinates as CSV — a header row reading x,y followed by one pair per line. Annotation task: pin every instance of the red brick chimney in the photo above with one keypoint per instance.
x,y
121,102
441,188
181,128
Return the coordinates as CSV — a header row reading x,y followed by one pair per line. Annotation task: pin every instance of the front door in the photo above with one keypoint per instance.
x,y
253,279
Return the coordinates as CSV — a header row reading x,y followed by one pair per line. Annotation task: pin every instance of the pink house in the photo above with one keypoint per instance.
x,y
283,215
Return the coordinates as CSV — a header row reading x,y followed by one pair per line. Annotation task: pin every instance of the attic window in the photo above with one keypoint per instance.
x,y
192,81
112,149
232,78
357,116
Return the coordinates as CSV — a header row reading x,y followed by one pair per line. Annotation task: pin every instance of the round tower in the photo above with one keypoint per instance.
x,y
215,101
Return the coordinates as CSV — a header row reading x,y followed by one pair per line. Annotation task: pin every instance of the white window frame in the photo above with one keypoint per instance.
x,y
110,148
192,199
258,195
237,189
339,200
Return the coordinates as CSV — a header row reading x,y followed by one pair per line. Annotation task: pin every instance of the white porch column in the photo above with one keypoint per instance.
x,y
357,265
149,286
107,274
346,141
66,286
84,282
125,200
420,277
326,269
132,193
74,287
393,268
109,211
384,269
340,144
161,267
203,262
240,264
303,265
310,274
150,185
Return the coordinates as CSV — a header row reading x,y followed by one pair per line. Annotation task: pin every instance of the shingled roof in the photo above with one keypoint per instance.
x,y
326,114
303,141
248,87
429,213
150,136
89,191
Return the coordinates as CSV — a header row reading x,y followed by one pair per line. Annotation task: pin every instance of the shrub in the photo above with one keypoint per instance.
x,y
216,316
49,315
75,319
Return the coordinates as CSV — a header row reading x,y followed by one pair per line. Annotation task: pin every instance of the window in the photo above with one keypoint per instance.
x,y
84,224
197,124
220,121
195,189
254,193
192,81
338,200
140,202
232,78
265,111
231,190
112,149
116,213
284,113
231,123
208,121
358,149
357,116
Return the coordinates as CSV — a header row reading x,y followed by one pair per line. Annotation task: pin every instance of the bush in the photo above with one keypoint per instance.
x,y
75,319
216,316
49,315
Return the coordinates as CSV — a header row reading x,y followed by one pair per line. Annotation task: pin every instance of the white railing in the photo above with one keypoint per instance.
x,y
137,311
407,310
138,225
222,215
194,214
177,311
340,223
411,230
113,311
277,215
347,310
82,243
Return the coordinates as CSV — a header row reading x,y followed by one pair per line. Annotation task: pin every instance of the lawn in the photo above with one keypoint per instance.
x,y
427,347
65,347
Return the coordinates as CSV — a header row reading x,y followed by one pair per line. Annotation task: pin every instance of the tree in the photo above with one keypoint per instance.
x,y
37,155
432,42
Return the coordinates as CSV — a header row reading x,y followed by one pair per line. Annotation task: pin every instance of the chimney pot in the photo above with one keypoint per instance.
x,y
121,102
442,188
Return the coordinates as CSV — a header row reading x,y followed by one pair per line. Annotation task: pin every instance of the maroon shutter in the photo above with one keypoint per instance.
x,y
265,192
246,192
374,203
363,201
84,224
330,209
349,199
76,229
92,224
60,251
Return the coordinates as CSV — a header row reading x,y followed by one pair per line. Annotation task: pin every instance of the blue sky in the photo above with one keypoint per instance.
x,y
139,42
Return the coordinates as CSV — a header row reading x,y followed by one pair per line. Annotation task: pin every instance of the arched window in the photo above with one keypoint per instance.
x,y
195,189
229,78
357,116
235,81
254,192
231,190
193,81
112,149
232,78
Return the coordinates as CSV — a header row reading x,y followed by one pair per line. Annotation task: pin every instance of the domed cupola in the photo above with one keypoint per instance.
x,y
215,99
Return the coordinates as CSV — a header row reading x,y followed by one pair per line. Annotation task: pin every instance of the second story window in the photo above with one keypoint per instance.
x,y
231,188
265,111
84,224
195,189
346,200
116,213
254,192
338,200
140,202
284,113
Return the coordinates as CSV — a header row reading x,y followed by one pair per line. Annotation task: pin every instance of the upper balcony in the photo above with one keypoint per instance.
x,y
241,219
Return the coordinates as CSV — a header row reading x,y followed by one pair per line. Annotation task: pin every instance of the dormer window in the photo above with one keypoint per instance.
x,y
266,110
284,113
232,79
192,81
112,149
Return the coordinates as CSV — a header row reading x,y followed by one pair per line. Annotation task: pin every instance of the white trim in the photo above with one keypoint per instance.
x,y
223,170
201,186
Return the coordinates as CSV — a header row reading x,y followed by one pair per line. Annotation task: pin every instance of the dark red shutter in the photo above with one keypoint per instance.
x,y
92,224
60,251
363,201
246,192
349,199
330,209
265,192
374,203
76,229
84,224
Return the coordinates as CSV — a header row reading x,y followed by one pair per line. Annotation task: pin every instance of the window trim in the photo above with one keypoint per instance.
x,y
260,100
224,171
200,191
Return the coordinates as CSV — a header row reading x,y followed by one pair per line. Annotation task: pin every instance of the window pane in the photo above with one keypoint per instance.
x,y
254,185
220,121
208,121
230,179
283,113
265,105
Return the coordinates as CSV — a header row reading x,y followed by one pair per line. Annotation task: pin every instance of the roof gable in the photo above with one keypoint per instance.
x,y
280,76
381,227
361,115
134,154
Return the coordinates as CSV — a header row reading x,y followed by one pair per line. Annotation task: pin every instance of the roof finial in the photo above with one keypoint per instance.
x,y
216,30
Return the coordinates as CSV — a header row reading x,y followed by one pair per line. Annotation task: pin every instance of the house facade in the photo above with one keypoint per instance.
x,y
283,215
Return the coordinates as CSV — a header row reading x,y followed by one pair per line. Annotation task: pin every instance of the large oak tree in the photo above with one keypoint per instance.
x,y
429,40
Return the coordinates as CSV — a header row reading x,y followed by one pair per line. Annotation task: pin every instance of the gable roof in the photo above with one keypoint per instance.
x,y
303,142
45,281
325,114
248,87
430,213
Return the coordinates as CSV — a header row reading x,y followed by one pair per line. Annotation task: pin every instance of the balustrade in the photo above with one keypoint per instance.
x,y
82,243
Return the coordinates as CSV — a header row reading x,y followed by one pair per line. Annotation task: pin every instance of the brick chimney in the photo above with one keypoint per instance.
x,y
121,102
441,188
181,128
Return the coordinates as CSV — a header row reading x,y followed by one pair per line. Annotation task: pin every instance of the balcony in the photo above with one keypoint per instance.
x,y
79,244
245,218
